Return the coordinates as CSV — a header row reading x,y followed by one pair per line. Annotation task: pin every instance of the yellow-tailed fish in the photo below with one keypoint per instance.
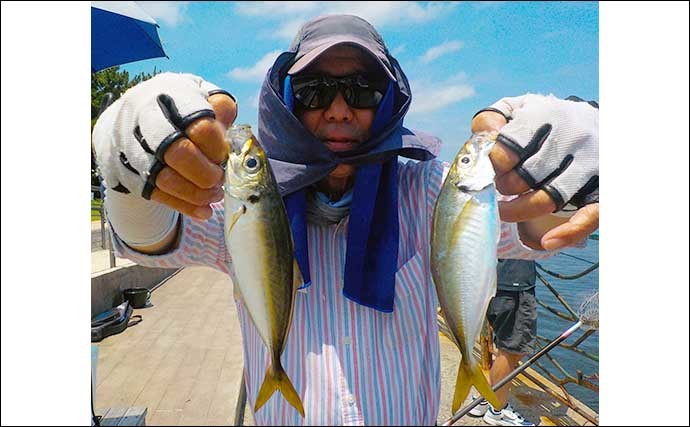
x,y
464,240
258,236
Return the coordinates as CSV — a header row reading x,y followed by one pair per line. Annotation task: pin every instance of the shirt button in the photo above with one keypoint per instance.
x,y
351,400
347,340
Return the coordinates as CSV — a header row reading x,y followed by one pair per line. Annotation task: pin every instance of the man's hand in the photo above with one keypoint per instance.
x,y
163,140
192,177
159,149
534,207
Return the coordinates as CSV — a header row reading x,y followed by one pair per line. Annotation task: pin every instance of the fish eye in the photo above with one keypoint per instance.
x,y
465,160
251,164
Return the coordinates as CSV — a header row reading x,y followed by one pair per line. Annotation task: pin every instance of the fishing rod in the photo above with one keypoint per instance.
x,y
589,318
241,403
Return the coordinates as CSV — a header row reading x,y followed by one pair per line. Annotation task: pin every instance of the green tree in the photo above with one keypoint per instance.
x,y
112,80
116,82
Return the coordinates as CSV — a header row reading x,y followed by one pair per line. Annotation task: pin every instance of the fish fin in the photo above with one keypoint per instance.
x,y
475,377
297,278
277,379
235,216
468,376
462,386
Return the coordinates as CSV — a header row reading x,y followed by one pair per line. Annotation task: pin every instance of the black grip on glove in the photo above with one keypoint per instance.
x,y
170,111
528,151
556,176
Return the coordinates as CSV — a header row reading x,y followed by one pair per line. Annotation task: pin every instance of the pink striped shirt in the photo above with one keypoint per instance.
x,y
350,364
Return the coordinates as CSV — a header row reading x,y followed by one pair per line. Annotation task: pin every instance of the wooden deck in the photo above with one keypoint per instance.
x,y
184,362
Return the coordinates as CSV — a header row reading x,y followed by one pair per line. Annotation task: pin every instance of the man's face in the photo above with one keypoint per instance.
x,y
340,126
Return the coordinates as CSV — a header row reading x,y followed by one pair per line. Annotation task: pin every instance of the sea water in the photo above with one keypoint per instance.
x,y
574,292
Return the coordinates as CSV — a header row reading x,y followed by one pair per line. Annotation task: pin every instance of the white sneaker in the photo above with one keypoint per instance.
x,y
479,410
505,417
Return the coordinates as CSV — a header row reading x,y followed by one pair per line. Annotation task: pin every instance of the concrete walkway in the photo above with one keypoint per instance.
x,y
100,261
100,255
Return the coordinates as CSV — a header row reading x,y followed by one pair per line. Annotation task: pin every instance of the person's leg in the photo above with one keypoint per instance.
x,y
501,316
504,364
514,319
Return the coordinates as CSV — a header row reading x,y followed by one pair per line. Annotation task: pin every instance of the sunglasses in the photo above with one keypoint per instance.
x,y
314,91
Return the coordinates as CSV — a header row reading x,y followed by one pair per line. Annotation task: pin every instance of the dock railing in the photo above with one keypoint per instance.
x,y
550,365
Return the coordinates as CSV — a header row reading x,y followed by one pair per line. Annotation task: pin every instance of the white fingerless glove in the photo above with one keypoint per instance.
x,y
138,222
132,135
130,139
558,144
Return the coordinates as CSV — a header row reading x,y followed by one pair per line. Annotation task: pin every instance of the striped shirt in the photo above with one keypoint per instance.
x,y
350,364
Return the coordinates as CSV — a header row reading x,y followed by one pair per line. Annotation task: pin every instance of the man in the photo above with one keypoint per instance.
x,y
363,346
512,314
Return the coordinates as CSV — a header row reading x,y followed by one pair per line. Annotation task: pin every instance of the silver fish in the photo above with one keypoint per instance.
x,y
258,236
464,241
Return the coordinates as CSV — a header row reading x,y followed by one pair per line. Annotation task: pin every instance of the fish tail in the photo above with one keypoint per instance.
x,y
472,376
277,379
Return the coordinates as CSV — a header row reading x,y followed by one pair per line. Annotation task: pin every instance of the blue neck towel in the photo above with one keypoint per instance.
x,y
373,234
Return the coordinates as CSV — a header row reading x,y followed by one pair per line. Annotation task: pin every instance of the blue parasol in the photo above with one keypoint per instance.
x,y
121,32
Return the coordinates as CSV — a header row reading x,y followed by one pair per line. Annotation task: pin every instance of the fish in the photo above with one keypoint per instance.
x,y
464,241
259,239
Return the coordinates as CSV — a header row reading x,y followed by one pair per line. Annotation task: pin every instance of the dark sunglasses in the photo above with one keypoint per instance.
x,y
314,91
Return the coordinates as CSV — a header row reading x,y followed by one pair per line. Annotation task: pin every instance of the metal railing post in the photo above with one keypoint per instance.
x,y
111,253
100,214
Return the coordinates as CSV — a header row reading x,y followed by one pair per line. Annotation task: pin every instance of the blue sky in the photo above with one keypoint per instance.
x,y
458,56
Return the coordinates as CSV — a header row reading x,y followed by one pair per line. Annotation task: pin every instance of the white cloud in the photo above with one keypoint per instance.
x,y
440,50
429,96
253,101
257,71
260,8
380,14
168,12
288,29
399,49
